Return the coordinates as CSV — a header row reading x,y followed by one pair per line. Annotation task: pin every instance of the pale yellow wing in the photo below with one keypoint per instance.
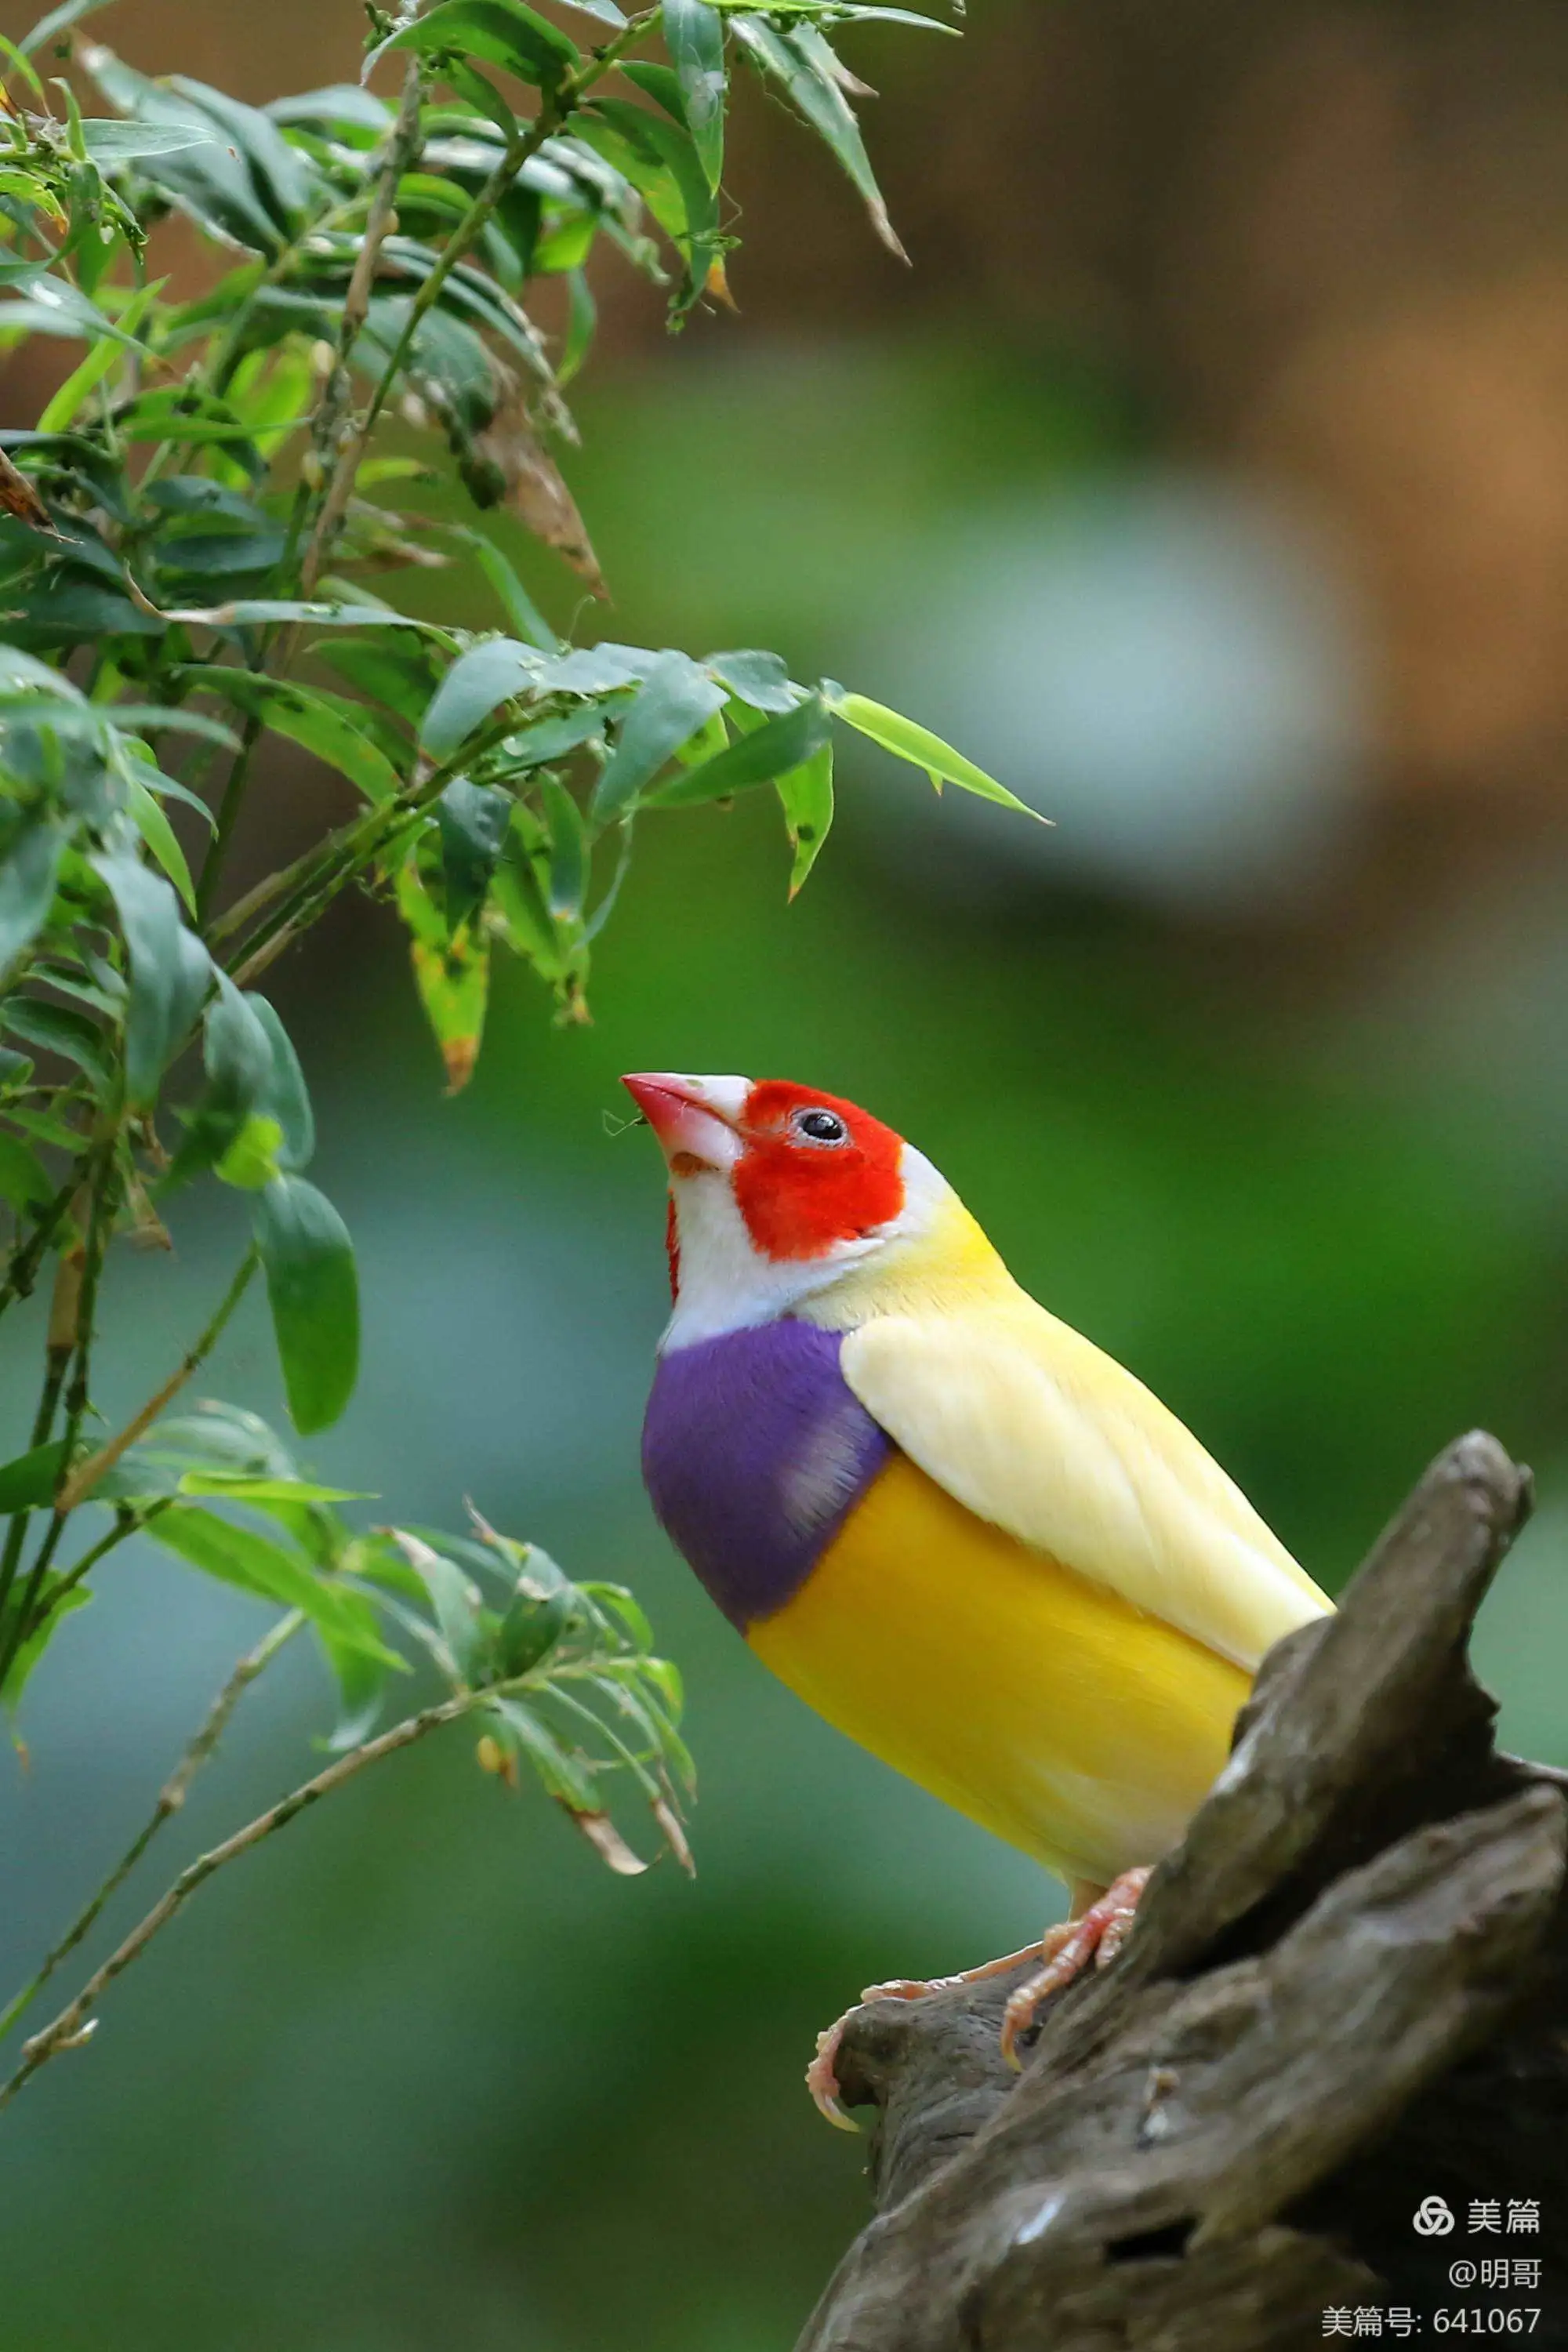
x,y
1032,1427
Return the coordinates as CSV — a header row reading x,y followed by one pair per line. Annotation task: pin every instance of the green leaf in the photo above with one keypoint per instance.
x,y
258,1564
29,870
237,1049
23,1180
530,1629
659,157
396,675
109,142
220,1439
240,1489
60,1604
503,32
159,837
83,380
908,741
694,36
676,698
564,1774
472,821
310,719
802,62
282,1095
30,1480
451,971
313,1291
455,1602
759,679
262,611
252,1159
568,850
171,970
550,738
69,12
768,752
479,682
806,796
60,1030
519,606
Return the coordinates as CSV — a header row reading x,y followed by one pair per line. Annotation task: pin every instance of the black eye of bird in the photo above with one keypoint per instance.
x,y
822,1127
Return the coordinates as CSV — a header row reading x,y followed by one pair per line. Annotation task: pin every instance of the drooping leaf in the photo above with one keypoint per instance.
x,y
472,820
29,865
694,36
568,850
282,1094
159,837
806,793
313,1291
908,741
676,698
171,970
661,159
59,1601
767,752
810,82
564,1774
503,32
451,973
455,1602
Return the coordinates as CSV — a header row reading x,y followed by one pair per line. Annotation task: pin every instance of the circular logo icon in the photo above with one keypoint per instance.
x,y
1433,2219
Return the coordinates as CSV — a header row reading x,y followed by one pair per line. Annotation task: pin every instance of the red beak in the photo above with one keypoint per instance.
x,y
689,1126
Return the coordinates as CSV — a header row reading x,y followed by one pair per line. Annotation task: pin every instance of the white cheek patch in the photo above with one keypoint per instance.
x,y
727,1284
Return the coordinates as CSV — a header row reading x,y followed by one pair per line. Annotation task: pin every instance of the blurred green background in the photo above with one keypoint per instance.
x,y
1208,480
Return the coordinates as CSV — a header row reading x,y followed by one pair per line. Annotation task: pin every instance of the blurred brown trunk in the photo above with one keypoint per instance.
x,y
1346,1994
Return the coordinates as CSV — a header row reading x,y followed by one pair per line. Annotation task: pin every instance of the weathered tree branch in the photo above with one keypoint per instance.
x,y
1346,1991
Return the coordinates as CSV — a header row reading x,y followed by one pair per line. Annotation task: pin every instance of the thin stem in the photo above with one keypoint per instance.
x,y
556,107
229,807
127,1523
402,148
22,1272
60,1346
82,1481
170,1797
86,1305
74,2023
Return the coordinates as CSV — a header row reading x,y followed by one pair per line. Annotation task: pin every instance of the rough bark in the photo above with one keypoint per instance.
x,y
1346,1991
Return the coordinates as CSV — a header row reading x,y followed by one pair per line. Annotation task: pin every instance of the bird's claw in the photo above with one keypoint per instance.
x,y
1066,1950
822,2075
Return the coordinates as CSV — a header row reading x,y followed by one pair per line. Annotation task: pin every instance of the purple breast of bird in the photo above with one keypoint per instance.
x,y
755,1452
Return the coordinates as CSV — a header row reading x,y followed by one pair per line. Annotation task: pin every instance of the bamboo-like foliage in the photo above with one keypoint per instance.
x,y
188,536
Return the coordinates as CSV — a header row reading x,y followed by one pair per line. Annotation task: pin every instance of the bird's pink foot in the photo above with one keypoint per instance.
x,y
1097,1934
822,2075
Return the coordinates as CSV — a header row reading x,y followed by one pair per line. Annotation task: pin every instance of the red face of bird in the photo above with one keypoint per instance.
x,y
776,1190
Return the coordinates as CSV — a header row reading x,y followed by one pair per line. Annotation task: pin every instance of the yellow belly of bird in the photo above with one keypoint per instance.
x,y
1026,1696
